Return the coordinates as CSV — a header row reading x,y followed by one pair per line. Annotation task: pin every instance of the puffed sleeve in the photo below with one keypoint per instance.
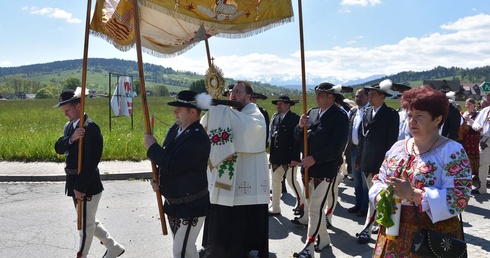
x,y
451,196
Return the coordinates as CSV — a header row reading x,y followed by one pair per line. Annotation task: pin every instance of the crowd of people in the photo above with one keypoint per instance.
x,y
216,176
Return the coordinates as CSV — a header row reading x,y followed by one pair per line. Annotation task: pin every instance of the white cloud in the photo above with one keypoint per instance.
x,y
53,13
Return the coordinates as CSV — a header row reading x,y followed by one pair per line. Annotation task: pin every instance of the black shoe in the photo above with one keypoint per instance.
x,y
354,209
296,222
362,213
303,254
299,211
274,213
475,191
363,237
375,230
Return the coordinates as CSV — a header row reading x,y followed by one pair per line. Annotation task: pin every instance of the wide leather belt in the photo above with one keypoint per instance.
x,y
71,171
188,198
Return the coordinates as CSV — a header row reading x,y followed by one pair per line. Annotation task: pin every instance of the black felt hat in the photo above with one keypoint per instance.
x,y
259,96
229,89
68,96
329,88
284,99
185,98
382,87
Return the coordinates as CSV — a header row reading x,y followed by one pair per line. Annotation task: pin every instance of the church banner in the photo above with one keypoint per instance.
x,y
122,100
170,28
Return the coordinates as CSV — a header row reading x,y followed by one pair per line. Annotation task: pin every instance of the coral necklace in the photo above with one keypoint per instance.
x,y
429,149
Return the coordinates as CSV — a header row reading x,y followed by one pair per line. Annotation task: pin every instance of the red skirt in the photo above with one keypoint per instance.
x,y
471,145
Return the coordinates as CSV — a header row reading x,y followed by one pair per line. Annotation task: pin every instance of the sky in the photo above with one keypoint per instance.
x,y
345,39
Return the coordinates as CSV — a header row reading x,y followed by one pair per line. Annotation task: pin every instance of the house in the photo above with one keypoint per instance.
x,y
472,90
447,86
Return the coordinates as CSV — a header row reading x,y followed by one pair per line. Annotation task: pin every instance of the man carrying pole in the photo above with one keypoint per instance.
x,y
327,127
182,162
85,187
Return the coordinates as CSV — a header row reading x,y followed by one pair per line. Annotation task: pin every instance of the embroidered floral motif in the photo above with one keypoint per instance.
x,y
190,221
459,167
228,165
174,224
220,136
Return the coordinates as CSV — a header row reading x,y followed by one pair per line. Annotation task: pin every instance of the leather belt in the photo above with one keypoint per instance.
x,y
188,198
71,171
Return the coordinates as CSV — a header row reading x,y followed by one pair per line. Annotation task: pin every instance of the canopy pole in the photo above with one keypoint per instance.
x,y
303,84
208,52
145,108
82,106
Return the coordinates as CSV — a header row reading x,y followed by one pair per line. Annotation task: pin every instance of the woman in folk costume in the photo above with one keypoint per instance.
x,y
429,171
327,127
471,138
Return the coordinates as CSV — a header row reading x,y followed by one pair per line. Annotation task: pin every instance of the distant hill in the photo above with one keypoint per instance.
x,y
30,78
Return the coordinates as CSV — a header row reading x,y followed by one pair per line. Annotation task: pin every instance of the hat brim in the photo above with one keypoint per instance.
x,y
378,90
182,104
328,91
65,102
260,96
290,102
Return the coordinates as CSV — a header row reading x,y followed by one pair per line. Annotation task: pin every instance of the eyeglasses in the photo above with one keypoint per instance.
x,y
237,91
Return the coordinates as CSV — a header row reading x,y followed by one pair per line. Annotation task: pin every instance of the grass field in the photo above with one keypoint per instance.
x,y
29,128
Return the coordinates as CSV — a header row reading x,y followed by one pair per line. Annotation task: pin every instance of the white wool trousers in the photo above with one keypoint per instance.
x,y
92,227
185,232
483,170
292,180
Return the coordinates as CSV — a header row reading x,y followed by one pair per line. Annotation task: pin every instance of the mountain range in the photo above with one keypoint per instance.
x,y
53,73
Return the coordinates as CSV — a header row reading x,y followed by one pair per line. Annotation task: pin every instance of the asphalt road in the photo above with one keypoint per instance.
x,y
37,220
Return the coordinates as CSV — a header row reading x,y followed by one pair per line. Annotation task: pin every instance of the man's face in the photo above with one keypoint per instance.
x,y
238,94
375,98
182,116
361,98
324,100
282,107
71,111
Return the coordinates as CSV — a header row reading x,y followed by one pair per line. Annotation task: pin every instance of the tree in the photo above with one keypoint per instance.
x,y
161,90
72,83
136,87
198,86
48,92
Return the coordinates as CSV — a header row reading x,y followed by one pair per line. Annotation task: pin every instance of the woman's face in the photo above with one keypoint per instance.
x,y
469,106
421,123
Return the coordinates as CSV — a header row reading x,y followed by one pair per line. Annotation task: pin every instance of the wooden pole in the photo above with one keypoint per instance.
x,y
303,84
208,52
145,108
82,107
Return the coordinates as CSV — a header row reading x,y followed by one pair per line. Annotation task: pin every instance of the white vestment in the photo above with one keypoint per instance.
x,y
238,167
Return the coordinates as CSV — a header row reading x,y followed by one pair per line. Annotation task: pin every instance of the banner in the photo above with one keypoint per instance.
x,y
170,28
122,100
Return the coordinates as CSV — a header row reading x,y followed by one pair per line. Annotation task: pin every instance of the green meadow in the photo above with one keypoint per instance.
x,y
29,128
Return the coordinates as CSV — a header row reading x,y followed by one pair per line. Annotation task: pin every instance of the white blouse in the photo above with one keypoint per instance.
x,y
443,174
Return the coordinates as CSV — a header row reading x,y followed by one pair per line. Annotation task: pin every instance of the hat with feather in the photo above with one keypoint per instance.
x,y
329,88
383,87
69,95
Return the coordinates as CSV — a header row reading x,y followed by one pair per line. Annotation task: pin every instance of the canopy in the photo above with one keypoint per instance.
x,y
169,28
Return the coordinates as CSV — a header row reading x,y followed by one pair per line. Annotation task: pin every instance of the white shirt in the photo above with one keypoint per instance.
x,y
483,120
357,123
